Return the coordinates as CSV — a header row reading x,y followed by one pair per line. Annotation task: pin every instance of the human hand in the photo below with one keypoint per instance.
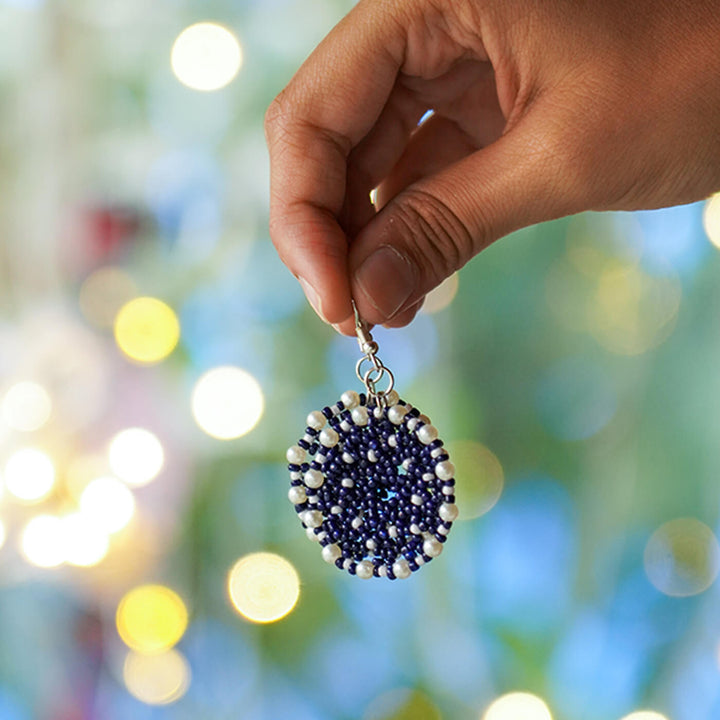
x,y
541,109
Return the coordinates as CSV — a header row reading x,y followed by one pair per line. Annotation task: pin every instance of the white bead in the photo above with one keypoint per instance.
x,y
445,470
425,419
428,477
437,452
382,571
442,530
350,399
426,434
346,426
392,441
330,553
448,490
313,499
320,458
401,569
406,463
347,482
347,563
370,544
348,458
416,500
364,569
312,518
392,398
411,423
335,510
316,420
359,416
313,478
321,536
396,414
296,475
378,412
419,560
357,522
432,547
371,456
448,512
414,529
311,535
297,495
295,454
329,437
392,531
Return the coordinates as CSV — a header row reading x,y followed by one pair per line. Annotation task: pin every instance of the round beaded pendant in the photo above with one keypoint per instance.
x,y
371,481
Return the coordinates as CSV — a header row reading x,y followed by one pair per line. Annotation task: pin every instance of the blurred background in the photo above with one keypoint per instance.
x,y
156,360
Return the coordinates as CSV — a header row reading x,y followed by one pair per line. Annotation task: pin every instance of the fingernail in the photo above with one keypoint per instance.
x,y
313,297
387,279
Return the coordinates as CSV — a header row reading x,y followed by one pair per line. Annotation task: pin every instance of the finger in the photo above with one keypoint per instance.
x,y
406,316
437,224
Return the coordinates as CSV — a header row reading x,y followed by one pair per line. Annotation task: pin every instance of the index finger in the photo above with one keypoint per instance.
x,y
329,106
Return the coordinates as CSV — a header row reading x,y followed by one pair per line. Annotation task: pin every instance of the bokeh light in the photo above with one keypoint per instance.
x,y
227,402
151,618
682,557
518,706
402,704
26,406
103,293
84,542
645,715
136,456
479,477
158,679
41,541
3,533
263,587
711,219
108,503
441,297
206,56
29,475
146,330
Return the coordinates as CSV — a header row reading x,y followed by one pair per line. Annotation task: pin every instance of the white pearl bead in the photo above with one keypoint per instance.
x,y
378,412
442,530
425,419
330,553
419,560
392,398
329,437
370,544
356,522
359,416
350,399
295,454
401,569
347,563
382,571
321,536
426,434
392,441
437,452
312,535
313,499
345,426
316,420
428,477
432,547
448,512
445,470
371,456
411,423
416,500
414,529
312,518
392,531
448,490
313,478
320,458
335,510
295,475
406,463
364,569
297,495
348,458
396,414
347,482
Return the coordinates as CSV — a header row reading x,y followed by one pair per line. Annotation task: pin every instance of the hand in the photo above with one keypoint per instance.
x,y
542,108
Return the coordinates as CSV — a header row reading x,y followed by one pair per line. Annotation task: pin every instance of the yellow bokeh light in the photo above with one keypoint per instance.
x,y
29,475
518,706
156,679
402,704
479,477
711,219
633,312
227,402
146,330
136,456
206,56
263,587
103,293
84,542
41,541
3,533
151,618
644,715
108,503
682,557
441,297
82,470
26,406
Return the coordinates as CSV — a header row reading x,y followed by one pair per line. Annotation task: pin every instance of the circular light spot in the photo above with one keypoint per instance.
x,y
26,406
85,543
479,478
151,618
441,297
156,679
644,715
108,504
263,587
206,56
518,706
29,475
41,541
402,704
103,293
146,330
682,557
227,402
711,219
136,456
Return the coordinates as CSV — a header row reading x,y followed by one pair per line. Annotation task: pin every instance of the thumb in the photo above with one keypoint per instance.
x,y
434,226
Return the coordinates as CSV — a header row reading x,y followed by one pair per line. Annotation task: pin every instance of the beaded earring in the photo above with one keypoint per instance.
x,y
370,480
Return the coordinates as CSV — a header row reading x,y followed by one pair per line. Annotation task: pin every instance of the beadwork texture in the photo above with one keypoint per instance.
x,y
373,485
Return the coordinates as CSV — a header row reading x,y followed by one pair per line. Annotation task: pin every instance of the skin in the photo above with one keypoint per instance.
x,y
542,108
